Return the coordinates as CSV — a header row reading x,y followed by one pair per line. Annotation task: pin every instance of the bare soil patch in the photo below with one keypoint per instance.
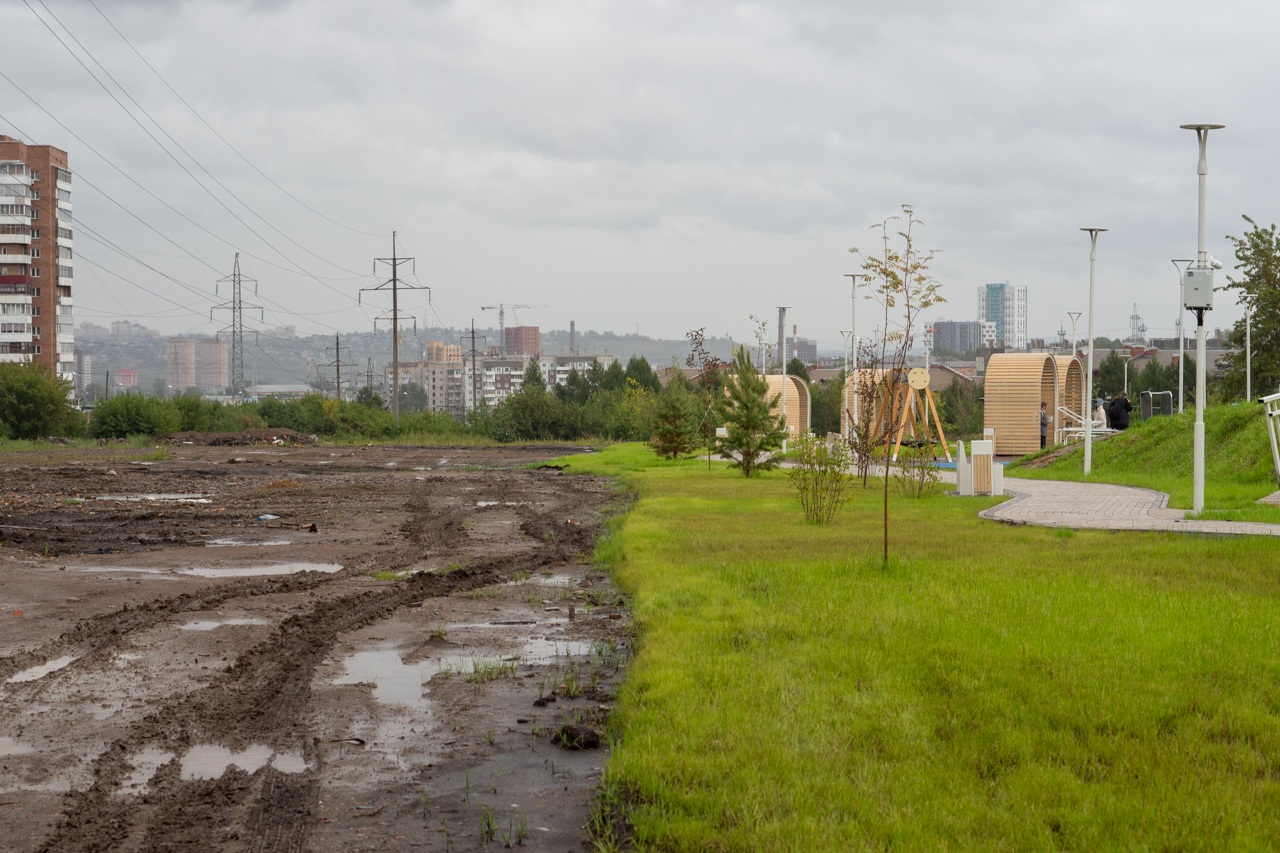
x,y
207,673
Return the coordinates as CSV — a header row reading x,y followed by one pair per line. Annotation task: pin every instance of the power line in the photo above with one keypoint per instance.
x,y
219,135
158,143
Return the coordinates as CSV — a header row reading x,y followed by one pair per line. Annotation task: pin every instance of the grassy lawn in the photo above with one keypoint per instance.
x,y
996,688
1157,455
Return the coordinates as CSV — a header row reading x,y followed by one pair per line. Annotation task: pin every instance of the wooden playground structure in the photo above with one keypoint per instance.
x,y
904,406
798,406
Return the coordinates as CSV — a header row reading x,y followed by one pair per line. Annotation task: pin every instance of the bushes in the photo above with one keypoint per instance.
x,y
134,414
35,403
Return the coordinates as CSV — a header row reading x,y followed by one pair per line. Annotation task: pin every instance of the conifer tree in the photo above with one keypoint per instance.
x,y
675,422
748,413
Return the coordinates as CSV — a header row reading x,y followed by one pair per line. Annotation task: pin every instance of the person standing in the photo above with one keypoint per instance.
x,y
1119,411
1044,425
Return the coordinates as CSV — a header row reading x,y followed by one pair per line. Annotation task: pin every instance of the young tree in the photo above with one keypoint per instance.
x,y
675,420
1258,289
795,367
369,398
748,415
902,285
709,384
533,376
1110,375
34,403
641,373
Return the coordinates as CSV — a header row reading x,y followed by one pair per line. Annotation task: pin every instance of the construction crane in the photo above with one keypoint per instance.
x,y
501,309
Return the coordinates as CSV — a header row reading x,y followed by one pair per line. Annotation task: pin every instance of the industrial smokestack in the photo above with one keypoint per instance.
x,y
573,339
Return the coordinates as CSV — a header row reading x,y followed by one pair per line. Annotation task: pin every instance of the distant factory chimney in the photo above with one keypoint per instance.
x,y
573,339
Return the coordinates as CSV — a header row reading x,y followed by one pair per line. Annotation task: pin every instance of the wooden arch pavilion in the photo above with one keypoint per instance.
x,y
1071,391
799,407
1013,388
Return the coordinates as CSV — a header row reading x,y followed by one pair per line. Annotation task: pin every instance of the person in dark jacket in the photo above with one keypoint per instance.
x,y
1118,411
1044,425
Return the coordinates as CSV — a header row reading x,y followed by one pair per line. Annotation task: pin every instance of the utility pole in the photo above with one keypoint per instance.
x,y
236,306
107,395
368,377
394,285
337,362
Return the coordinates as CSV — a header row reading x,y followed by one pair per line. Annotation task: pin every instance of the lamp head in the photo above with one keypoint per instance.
x,y
1202,126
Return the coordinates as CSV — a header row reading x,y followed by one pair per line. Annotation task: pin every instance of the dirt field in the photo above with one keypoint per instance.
x,y
302,648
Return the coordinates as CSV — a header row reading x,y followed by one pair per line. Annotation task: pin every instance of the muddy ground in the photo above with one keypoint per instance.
x,y
302,648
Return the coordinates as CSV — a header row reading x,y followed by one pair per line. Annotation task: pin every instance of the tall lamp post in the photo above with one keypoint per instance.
x,y
1088,370
1197,294
1248,353
1182,335
1074,315
853,343
847,336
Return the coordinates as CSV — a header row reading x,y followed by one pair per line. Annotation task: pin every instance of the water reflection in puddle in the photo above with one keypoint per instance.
x,y
392,680
210,624
44,669
210,762
10,746
254,571
145,764
237,543
502,503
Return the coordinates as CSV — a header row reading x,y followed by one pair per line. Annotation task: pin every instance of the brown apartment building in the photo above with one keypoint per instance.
x,y
36,255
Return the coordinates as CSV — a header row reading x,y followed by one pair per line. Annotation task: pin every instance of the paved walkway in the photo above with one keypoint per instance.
x,y
1100,506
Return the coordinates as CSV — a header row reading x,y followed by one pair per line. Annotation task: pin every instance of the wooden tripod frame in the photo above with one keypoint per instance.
x,y
906,402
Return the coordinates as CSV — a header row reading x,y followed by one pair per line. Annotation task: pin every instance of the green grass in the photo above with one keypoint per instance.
x,y
995,688
1156,454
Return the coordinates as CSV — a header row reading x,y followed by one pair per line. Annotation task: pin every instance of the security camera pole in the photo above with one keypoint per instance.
x,y
1088,370
1197,294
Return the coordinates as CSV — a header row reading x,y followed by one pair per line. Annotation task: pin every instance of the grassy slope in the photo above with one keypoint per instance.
x,y
998,688
1157,455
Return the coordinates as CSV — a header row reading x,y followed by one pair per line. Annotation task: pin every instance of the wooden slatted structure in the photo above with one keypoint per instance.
x,y
867,378
1070,388
798,403
1013,388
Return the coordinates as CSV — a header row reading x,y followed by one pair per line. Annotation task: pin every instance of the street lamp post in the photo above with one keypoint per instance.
x,y
1128,357
1248,353
853,325
847,336
1182,335
1088,370
1197,294
1074,315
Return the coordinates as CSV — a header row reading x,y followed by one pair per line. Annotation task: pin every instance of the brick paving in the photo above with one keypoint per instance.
x,y
1101,506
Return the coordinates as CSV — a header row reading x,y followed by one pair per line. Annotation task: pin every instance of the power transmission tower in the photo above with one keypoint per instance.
x,y
475,376
395,286
337,362
236,305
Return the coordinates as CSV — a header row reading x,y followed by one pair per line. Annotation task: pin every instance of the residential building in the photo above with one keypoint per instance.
x,y
958,335
1005,305
493,379
180,364
442,380
215,357
556,368
84,370
35,236
521,340
989,335
805,349
439,351
125,379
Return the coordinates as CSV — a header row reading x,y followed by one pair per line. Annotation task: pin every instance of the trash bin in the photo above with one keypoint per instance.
x,y
1144,405
1164,401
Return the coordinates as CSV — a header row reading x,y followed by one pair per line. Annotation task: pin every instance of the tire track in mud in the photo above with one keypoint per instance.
x,y
256,701
92,637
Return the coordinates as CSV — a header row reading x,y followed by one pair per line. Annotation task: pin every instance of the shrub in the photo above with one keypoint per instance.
x,y
134,414
821,476
35,403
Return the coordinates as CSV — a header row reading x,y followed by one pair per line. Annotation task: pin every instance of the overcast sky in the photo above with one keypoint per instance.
x,y
658,166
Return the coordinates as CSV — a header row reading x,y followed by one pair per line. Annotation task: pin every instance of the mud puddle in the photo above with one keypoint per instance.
x,y
262,571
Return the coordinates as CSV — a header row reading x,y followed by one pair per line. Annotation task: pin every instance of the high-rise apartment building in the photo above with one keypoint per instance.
x,y
36,255
1005,305
521,340
440,351
214,358
180,364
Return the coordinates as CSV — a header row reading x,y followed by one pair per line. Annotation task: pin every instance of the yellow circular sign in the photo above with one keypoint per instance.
x,y
918,378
